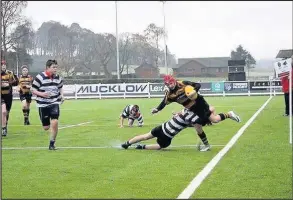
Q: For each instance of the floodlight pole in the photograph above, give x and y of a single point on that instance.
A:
(165, 45)
(117, 43)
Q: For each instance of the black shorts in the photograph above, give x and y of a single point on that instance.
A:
(162, 139)
(7, 100)
(25, 96)
(201, 109)
(48, 113)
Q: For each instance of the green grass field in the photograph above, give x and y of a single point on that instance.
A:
(259, 165)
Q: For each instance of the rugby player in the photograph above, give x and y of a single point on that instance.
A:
(131, 112)
(8, 80)
(166, 131)
(25, 95)
(186, 94)
(48, 87)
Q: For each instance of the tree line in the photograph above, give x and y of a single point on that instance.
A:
(77, 48)
(80, 49)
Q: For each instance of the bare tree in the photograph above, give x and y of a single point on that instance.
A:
(154, 34)
(23, 36)
(103, 43)
(124, 51)
(11, 15)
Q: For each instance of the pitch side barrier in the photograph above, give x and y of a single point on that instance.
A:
(152, 90)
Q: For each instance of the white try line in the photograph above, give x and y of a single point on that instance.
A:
(98, 147)
(195, 183)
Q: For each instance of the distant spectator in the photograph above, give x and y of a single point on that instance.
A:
(285, 88)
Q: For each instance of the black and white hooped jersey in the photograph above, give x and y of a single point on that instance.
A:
(51, 85)
(126, 113)
(179, 122)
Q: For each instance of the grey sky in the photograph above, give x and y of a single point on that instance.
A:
(195, 29)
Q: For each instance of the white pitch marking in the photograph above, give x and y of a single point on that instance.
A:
(195, 183)
(95, 147)
(80, 124)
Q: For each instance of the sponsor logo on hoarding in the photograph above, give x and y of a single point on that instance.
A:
(228, 86)
(240, 85)
(157, 87)
(112, 88)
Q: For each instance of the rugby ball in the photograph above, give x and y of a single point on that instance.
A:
(190, 92)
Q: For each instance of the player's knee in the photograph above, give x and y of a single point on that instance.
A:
(130, 122)
(215, 118)
(46, 128)
(4, 112)
(54, 123)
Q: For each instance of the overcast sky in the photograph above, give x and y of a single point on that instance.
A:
(195, 29)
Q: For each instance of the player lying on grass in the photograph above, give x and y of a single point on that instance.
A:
(132, 113)
(186, 94)
(201, 134)
(168, 130)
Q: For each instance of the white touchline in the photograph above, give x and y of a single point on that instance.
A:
(195, 183)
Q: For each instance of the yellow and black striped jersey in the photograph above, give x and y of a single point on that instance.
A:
(25, 81)
(7, 81)
(178, 95)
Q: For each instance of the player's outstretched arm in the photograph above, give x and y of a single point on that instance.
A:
(121, 121)
(160, 107)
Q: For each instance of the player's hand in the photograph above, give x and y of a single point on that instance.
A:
(154, 110)
(45, 95)
(62, 99)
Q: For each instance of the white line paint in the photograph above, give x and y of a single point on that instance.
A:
(195, 183)
(69, 126)
(61, 126)
(96, 147)
(90, 125)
